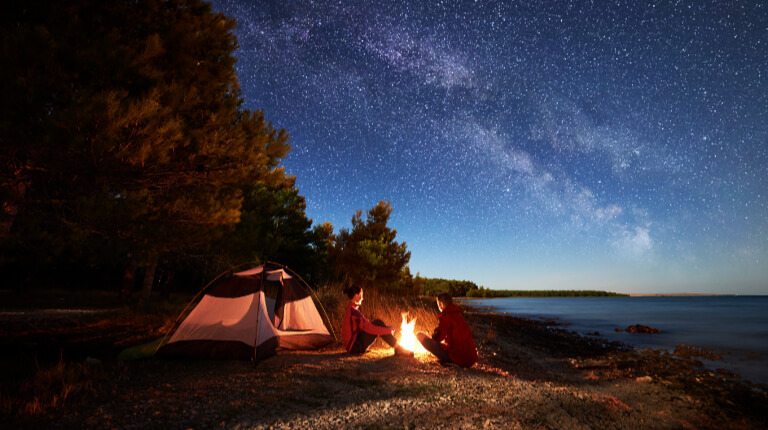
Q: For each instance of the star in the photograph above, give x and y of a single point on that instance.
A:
(626, 141)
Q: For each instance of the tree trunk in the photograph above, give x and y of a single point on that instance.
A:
(165, 288)
(149, 278)
(129, 279)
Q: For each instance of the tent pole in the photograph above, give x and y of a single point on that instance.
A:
(176, 322)
(258, 314)
(306, 285)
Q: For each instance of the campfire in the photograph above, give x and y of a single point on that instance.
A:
(408, 337)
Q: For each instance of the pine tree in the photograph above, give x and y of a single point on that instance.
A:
(121, 128)
(273, 226)
(368, 253)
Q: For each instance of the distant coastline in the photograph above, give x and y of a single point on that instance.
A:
(605, 295)
(678, 295)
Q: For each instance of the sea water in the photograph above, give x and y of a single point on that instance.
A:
(734, 326)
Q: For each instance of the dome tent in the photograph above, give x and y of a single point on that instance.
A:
(251, 314)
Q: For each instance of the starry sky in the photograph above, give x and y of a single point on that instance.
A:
(620, 145)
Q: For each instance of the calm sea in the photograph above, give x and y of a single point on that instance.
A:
(736, 326)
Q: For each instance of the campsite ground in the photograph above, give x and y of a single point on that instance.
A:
(59, 370)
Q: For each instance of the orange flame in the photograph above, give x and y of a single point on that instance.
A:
(408, 337)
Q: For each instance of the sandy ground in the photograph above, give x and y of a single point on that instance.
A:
(529, 376)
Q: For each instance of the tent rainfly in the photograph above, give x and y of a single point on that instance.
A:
(250, 315)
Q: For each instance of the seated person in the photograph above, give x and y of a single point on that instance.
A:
(358, 333)
(452, 340)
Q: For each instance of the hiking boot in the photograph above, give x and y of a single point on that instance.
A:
(399, 350)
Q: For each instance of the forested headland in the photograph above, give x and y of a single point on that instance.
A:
(435, 286)
(543, 293)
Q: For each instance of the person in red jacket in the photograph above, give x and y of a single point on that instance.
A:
(452, 340)
(358, 333)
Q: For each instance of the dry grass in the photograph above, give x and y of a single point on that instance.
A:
(51, 387)
(380, 306)
(390, 309)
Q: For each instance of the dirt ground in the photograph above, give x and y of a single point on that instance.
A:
(60, 371)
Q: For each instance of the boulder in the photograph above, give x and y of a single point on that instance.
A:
(639, 328)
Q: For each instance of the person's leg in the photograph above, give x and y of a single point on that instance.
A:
(390, 339)
(363, 341)
(434, 347)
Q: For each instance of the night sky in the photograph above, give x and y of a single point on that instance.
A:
(615, 145)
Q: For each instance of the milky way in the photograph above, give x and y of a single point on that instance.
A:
(529, 145)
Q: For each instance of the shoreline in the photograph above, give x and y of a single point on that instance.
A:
(751, 365)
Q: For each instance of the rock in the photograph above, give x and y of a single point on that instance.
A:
(639, 328)
(685, 351)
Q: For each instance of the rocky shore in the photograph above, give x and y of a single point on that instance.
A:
(530, 375)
